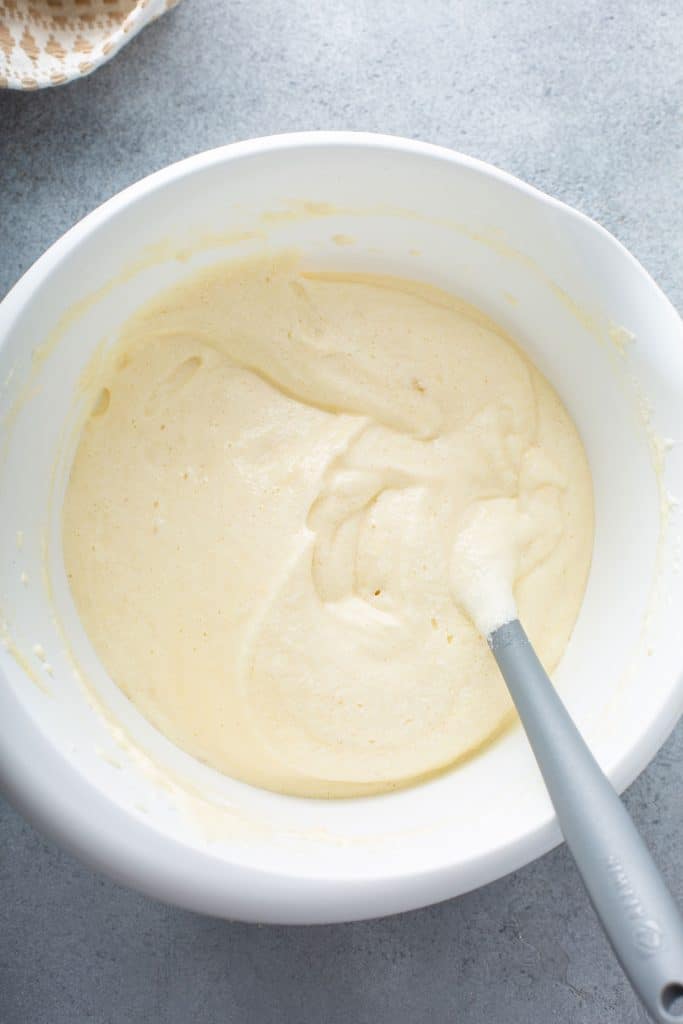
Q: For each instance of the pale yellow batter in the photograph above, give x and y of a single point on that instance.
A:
(270, 521)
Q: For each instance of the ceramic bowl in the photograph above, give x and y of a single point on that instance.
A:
(78, 759)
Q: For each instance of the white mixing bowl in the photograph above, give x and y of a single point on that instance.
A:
(77, 758)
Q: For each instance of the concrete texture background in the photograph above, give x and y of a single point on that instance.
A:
(582, 99)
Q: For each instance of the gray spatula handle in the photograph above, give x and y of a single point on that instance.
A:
(626, 889)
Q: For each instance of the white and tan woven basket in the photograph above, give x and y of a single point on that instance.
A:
(49, 42)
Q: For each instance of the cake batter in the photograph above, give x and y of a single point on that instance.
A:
(270, 516)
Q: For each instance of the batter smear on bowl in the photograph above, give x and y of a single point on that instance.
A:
(281, 473)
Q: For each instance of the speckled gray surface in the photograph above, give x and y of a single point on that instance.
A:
(582, 99)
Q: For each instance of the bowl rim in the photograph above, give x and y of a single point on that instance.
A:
(55, 797)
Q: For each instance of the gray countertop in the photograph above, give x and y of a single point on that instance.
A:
(582, 99)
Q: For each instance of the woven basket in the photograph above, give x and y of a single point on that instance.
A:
(49, 42)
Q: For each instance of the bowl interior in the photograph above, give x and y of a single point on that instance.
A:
(592, 321)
